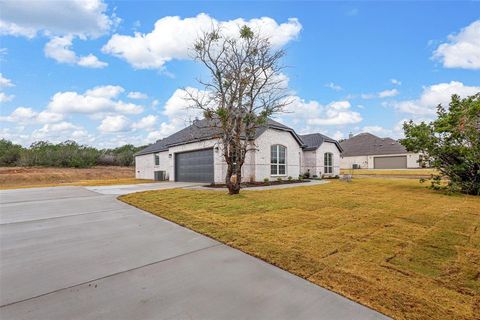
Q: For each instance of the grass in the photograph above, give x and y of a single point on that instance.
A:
(391, 244)
(30, 177)
(386, 172)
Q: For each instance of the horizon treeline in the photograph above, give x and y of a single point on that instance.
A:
(67, 154)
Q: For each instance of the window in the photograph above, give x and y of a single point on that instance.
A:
(328, 162)
(278, 162)
(157, 159)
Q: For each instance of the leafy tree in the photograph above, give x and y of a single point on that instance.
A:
(245, 87)
(451, 144)
(10, 153)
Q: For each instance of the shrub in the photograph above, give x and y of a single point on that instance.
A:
(279, 179)
(290, 178)
(266, 180)
(9, 153)
(451, 144)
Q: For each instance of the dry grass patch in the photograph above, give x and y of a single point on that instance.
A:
(28, 177)
(391, 244)
(406, 173)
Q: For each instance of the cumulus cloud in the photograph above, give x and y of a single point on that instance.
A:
(82, 18)
(146, 123)
(137, 95)
(5, 97)
(4, 82)
(96, 100)
(462, 50)
(172, 37)
(59, 49)
(312, 113)
(59, 132)
(24, 115)
(434, 95)
(114, 124)
(179, 114)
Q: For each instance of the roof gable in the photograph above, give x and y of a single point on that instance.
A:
(314, 140)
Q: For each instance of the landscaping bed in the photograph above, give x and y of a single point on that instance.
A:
(258, 183)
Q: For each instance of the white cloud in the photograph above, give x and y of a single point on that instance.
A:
(137, 95)
(96, 100)
(146, 123)
(462, 50)
(82, 18)
(396, 82)
(4, 82)
(59, 132)
(434, 95)
(5, 97)
(312, 113)
(20, 115)
(114, 124)
(388, 93)
(91, 61)
(25, 115)
(178, 112)
(59, 49)
(380, 95)
(172, 37)
(333, 86)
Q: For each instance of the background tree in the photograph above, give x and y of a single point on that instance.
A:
(451, 144)
(244, 88)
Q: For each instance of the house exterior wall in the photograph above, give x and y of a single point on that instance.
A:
(262, 155)
(367, 162)
(348, 162)
(309, 163)
(145, 165)
(324, 148)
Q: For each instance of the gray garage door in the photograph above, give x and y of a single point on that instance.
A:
(194, 166)
(396, 162)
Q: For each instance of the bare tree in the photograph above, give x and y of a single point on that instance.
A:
(244, 88)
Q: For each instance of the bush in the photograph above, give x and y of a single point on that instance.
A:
(290, 178)
(65, 154)
(9, 153)
(279, 179)
(451, 144)
(266, 180)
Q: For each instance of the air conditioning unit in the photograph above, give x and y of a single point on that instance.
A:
(160, 175)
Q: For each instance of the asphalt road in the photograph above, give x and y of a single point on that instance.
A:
(73, 253)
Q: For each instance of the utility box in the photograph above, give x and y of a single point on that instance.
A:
(160, 175)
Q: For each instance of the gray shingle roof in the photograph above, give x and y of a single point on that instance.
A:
(201, 130)
(365, 144)
(315, 140)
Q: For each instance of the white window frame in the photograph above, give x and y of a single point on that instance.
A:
(327, 165)
(155, 157)
(278, 164)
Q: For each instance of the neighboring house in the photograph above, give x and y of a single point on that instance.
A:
(367, 151)
(194, 154)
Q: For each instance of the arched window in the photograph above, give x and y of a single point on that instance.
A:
(328, 162)
(278, 160)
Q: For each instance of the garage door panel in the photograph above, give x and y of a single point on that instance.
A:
(194, 166)
(394, 162)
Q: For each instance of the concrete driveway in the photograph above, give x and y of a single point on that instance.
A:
(72, 253)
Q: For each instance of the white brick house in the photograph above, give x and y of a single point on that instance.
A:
(193, 155)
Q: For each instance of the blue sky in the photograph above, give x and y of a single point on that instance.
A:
(109, 73)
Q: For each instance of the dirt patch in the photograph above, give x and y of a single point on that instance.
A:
(31, 176)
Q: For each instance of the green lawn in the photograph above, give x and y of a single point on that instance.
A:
(391, 244)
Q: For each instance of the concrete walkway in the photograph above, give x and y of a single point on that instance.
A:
(72, 253)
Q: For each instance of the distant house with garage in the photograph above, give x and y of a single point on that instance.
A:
(194, 155)
(367, 151)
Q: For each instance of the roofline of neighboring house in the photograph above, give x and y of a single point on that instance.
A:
(377, 154)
